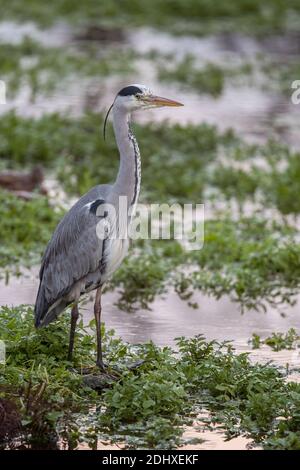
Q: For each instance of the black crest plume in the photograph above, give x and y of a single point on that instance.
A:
(127, 91)
(105, 120)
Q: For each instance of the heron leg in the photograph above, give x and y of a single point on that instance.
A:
(97, 312)
(74, 318)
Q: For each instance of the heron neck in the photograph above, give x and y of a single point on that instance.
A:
(129, 175)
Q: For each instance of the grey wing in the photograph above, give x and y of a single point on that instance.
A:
(73, 253)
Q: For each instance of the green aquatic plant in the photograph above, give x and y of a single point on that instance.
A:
(255, 341)
(254, 261)
(46, 69)
(280, 74)
(281, 187)
(145, 407)
(277, 341)
(26, 227)
(202, 16)
(76, 147)
(209, 79)
(270, 177)
(190, 155)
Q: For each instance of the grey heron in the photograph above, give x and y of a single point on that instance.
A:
(78, 259)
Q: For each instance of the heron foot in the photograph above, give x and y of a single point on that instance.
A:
(108, 372)
(101, 366)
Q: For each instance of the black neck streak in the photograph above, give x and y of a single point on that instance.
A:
(137, 170)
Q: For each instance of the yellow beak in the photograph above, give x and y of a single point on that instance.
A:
(160, 101)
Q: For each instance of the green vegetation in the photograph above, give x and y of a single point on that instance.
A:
(252, 260)
(271, 73)
(208, 79)
(203, 15)
(242, 259)
(36, 379)
(280, 74)
(274, 185)
(255, 262)
(45, 69)
(25, 229)
(75, 149)
(144, 407)
(277, 341)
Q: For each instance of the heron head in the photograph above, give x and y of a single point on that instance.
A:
(134, 97)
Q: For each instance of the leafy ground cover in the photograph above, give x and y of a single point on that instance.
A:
(82, 158)
(188, 154)
(25, 229)
(254, 262)
(144, 407)
(251, 259)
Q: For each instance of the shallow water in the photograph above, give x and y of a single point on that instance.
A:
(254, 113)
(171, 317)
(14, 33)
(213, 439)
(217, 48)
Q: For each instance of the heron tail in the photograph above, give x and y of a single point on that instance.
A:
(44, 312)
